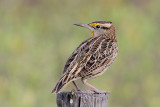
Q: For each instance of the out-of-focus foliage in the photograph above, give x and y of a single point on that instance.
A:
(37, 37)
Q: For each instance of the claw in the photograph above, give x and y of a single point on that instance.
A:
(83, 92)
(90, 92)
(102, 92)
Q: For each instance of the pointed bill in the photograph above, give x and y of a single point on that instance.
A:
(85, 26)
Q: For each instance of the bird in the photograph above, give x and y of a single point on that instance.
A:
(92, 57)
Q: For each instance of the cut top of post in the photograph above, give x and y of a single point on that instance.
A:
(68, 99)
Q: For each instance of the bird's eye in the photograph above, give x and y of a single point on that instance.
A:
(97, 26)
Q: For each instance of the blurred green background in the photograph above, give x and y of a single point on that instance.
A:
(38, 36)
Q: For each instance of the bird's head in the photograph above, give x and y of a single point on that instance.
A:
(98, 27)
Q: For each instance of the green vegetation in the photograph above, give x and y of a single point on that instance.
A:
(37, 37)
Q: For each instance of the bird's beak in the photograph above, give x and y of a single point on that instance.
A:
(85, 25)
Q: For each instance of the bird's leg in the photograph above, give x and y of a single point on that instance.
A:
(89, 85)
(78, 89)
(74, 83)
(93, 88)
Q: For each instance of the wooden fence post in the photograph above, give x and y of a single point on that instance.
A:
(67, 99)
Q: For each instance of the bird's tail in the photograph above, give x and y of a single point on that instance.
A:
(64, 80)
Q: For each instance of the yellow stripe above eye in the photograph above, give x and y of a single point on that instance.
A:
(94, 24)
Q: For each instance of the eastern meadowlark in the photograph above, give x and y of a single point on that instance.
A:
(92, 57)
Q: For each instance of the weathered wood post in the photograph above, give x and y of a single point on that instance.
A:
(68, 99)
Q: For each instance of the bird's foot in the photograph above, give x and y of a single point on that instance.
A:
(77, 91)
(83, 92)
(100, 91)
(91, 91)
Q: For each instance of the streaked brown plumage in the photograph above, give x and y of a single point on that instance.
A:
(92, 57)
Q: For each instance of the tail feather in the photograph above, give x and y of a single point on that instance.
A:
(58, 87)
(64, 80)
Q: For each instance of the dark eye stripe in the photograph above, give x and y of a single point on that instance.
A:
(104, 27)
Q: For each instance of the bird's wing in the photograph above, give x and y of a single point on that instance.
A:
(89, 56)
(75, 55)
(101, 55)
